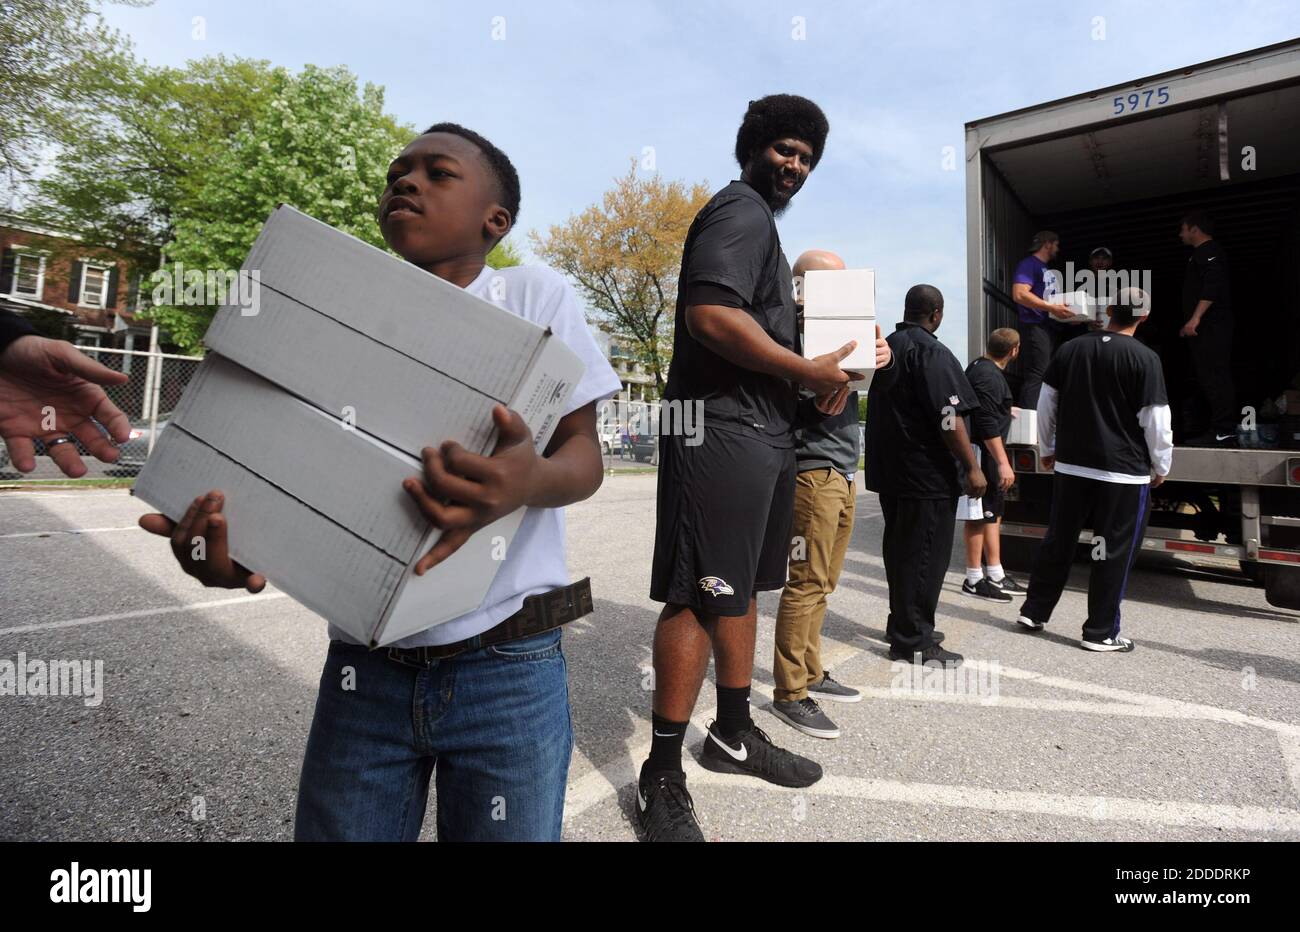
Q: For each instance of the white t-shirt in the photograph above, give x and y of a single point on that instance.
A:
(535, 560)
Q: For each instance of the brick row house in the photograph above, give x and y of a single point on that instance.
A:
(67, 290)
(86, 295)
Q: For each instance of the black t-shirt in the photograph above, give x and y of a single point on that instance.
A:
(906, 409)
(733, 243)
(1206, 279)
(993, 394)
(1103, 380)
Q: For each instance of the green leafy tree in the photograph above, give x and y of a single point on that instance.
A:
(58, 62)
(321, 146)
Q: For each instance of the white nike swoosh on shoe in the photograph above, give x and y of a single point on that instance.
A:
(640, 800)
(660, 734)
(1224, 437)
(742, 754)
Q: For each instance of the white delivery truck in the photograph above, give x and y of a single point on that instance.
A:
(1119, 167)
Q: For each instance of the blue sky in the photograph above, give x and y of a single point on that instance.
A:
(577, 88)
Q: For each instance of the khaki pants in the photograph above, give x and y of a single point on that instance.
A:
(823, 523)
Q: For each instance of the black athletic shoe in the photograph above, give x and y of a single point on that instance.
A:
(1120, 645)
(984, 590)
(834, 690)
(1009, 586)
(753, 753)
(665, 809)
(807, 716)
(1026, 622)
(932, 654)
(937, 636)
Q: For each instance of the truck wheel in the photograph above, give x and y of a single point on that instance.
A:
(1282, 585)
(1252, 571)
(1018, 553)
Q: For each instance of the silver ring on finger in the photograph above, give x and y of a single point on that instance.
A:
(66, 438)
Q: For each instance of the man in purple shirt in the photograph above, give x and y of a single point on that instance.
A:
(1032, 288)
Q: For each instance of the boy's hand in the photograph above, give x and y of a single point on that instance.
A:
(467, 492)
(976, 485)
(884, 355)
(210, 563)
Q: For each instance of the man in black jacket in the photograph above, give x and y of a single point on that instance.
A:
(50, 391)
(917, 450)
(1207, 307)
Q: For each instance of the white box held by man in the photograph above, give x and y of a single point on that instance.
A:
(839, 305)
(310, 412)
(1024, 428)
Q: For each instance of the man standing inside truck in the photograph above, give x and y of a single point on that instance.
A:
(1103, 422)
(1207, 307)
(1032, 288)
(916, 438)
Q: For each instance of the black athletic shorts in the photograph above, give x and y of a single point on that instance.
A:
(988, 509)
(725, 510)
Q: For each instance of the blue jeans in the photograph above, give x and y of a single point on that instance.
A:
(493, 723)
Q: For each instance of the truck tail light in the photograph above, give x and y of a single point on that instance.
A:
(1293, 471)
(1027, 461)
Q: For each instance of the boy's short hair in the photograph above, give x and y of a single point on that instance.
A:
(1002, 341)
(776, 117)
(1131, 304)
(499, 164)
(1041, 239)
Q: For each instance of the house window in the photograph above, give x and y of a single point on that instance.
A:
(94, 285)
(29, 274)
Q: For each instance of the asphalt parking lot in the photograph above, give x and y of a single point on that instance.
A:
(207, 697)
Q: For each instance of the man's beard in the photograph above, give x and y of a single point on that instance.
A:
(778, 200)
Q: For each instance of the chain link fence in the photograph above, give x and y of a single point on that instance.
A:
(157, 381)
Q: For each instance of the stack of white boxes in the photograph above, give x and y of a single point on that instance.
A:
(309, 414)
(1024, 428)
(839, 306)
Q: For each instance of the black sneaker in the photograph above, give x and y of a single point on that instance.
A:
(1009, 586)
(752, 753)
(807, 716)
(1122, 645)
(937, 637)
(834, 690)
(984, 590)
(932, 654)
(665, 809)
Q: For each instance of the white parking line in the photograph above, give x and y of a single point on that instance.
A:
(142, 613)
(73, 530)
(1095, 808)
(600, 784)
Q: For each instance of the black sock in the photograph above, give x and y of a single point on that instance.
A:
(665, 745)
(733, 710)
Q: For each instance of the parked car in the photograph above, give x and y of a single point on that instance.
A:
(645, 448)
(135, 451)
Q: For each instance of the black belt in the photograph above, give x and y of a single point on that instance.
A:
(540, 613)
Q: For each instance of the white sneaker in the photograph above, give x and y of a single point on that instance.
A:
(1110, 644)
(1030, 623)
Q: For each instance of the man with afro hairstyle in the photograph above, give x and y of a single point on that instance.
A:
(725, 498)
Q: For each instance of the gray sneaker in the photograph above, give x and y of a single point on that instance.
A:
(828, 688)
(806, 716)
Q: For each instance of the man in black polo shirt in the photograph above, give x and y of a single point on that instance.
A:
(725, 504)
(916, 439)
(1207, 307)
(1103, 422)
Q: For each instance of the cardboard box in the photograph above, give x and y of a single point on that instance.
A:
(1024, 428)
(303, 415)
(839, 306)
(1086, 308)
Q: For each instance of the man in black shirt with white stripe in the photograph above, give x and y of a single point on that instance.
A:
(1103, 420)
(1207, 307)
